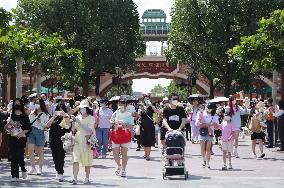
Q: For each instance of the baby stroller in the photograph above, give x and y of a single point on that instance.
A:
(174, 155)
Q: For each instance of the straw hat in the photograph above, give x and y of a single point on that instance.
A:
(84, 104)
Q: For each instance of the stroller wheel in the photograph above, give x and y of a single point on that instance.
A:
(187, 175)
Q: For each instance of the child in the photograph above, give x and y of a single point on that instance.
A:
(227, 139)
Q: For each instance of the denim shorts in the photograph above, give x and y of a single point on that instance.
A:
(37, 137)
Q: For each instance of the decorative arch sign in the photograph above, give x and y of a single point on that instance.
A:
(155, 67)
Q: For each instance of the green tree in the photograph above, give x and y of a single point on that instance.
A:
(159, 91)
(107, 32)
(123, 89)
(45, 53)
(265, 49)
(203, 31)
(181, 91)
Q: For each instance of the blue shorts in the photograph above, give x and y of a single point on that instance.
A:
(37, 137)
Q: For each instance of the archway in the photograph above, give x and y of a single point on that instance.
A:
(106, 86)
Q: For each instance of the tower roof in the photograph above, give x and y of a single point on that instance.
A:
(154, 13)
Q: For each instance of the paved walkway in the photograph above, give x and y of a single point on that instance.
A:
(247, 172)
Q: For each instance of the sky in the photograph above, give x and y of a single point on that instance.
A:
(143, 5)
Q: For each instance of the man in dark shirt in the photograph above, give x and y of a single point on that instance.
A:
(174, 117)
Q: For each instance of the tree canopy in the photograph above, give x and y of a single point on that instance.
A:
(106, 31)
(203, 31)
(265, 49)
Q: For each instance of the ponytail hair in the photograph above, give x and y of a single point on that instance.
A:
(231, 107)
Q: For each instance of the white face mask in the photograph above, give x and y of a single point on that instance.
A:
(122, 108)
(83, 110)
(227, 118)
(147, 102)
(234, 102)
(208, 110)
(175, 102)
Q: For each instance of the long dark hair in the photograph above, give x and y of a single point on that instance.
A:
(13, 115)
(42, 106)
(62, 107)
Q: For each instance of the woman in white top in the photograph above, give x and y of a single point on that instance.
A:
(127, 121)
(38, 118)
(235, 112)
(206, 121)
(192, 119)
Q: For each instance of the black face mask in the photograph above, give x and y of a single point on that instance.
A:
(17, 107)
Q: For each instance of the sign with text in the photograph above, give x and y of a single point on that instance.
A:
(154, 67)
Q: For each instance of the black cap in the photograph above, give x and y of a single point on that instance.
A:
(211, 105)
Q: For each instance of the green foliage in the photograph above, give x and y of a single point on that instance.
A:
(265, 49)
(159, 91)
(202, 32)
(106, 31)
(182, 92)
(123, 89)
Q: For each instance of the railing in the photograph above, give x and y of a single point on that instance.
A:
(155, 30)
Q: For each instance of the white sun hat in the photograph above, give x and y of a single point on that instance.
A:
(84, 104)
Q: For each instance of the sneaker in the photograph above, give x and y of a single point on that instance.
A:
(14, 179)
(147, 158)
(163, 151)
(74, 182)
(138, 149)
(224, 167)
(254, 155)
(60, 177)
(117, 170)
(230, 167)
(262, 155)
(31, 171)
(204, 164)
(24, 175)
(39, 171)
(123, 173)
(208, 166)
(236, 154)
(86, 181)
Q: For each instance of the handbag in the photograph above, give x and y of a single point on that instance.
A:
(137, 130)
(121, 136)
(203, 131)
(254, 125)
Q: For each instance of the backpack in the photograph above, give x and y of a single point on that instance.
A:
(254, 125)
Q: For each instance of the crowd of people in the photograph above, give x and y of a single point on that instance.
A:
(35, 122)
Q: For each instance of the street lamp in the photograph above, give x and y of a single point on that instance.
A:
(190, 73)
(118, 74)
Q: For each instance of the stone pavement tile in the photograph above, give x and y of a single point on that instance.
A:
(248, 171)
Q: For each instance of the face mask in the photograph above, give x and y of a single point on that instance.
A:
(37, 106)
(227, 118)
(122, 108)
(234, 102)
(147, 101)
(175, 102)
(17, 107)
(83, 110)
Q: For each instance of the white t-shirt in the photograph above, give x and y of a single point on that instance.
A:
(43, 119)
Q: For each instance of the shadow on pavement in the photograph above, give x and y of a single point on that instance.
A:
(101, 167)
(138, 178)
